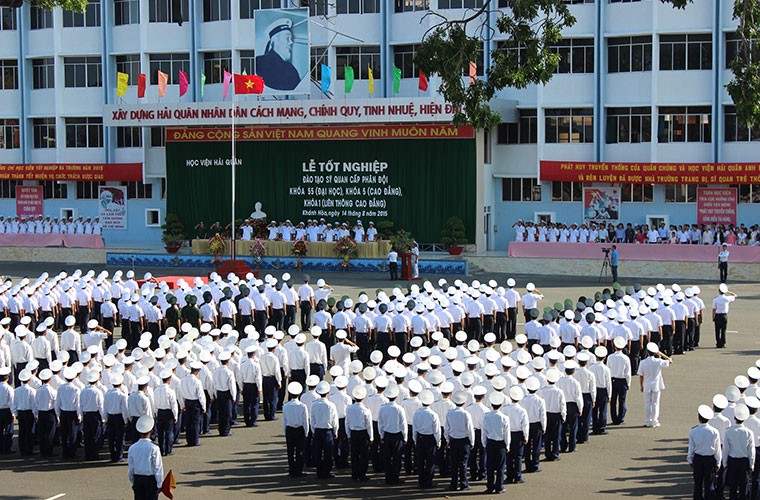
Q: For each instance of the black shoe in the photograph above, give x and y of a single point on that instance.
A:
(487, 491)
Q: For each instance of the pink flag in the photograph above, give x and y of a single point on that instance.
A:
(183, 83)
(227, 81)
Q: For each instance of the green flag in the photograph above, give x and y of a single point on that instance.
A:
(396, 79)
(349, 79)
(203, 84)
(244, 71)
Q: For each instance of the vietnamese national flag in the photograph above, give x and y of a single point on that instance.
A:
(141, 83)
(249, 84)
(169, 485)
(423, 85)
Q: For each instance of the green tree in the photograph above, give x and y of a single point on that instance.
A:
(534, 26)
(73, 5)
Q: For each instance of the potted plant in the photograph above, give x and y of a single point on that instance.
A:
(385, 229)
(174, 233)
(453, 235)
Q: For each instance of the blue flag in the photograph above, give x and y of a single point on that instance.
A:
(325, 78)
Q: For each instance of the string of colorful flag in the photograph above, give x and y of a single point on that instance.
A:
(254, 84)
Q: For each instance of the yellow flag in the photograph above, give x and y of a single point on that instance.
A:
(122, 83)
(371, 81)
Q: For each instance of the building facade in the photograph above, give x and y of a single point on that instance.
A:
(638, 82)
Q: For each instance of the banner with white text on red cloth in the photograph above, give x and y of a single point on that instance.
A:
(74, 172)
(650, 173)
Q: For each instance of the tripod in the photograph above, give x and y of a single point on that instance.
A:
(605, 268)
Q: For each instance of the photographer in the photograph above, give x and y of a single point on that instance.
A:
(614, 263)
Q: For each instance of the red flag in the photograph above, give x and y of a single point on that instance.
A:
(141, 81)
(183, 83)
(423, 85)
(249, 84)
(169, 485)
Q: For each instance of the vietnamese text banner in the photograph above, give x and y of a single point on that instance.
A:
(320, 133)
(71, 172)
(651, 173)
(716, 205)
(29, 201)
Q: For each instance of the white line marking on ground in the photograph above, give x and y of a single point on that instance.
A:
(59, 495)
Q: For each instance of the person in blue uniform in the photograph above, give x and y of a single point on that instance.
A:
(275, 66)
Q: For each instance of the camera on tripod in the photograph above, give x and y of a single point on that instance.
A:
(606, 251)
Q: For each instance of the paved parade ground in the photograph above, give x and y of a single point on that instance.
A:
(632, 461)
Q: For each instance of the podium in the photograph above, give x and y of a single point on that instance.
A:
(406, 266)
(238, 267)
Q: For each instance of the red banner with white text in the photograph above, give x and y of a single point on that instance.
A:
(74, 172)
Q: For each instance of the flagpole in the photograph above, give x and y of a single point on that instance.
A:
(232, 235)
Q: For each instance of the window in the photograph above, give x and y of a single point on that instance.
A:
(215, 64)
(565, 125)
(637, 193)
(632, 125)
(748, 193)
(163, 188)
(629, 53)
(460, 4)
(248, 6)
(316, 7)
(163, 11)
(318, 58)
(411, 5)
(573, 2)
(90, 18)
(567, 191)
(9, 133)
(9, 70)
(126, 12)
(684, 124)
(82, 72)
(157, 137)
(403, 58)
(43, 130)
(733, 45)
(576, 55)
(43, 73)
(39, 18)
(8, 189)
(479, 65)
(89, 190)
(517, 54)
(487, 158)
(138, 191)
(84, 132)
(128, 137)
(738, 131)
(681, 193)
(358, 6)
(152, 217)
(54, 190)
(7, 19)
(216, 10)
(359, 58)
(247, 61)
(525, 131)
(680, 52)
(171, 64)
(129, 64)
(520, 189)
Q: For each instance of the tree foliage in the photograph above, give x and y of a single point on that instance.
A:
(534, 26)
(73, 5)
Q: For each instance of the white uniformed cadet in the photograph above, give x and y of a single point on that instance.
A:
(295, 425)
(652, 384)
(460, 436)
(426, 434)
(739, 455)
(496, 435)
(359, 433)
(146, 468)
(393, 433)
(324, 425)
(720, 314)
(704, 455)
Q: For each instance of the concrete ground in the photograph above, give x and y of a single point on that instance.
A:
(632, 461)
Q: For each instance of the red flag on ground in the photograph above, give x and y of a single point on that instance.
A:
(141, 81)
(423, 84)
(169, 485)
(249, 84)
(183, 83)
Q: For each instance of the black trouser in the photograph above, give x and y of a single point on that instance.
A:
(618, 406)
(667, 339)
(376, 453)
(260, 320)
(270, 397)
(108, 324)
(511, 322)
(298, 376)
(488, 323)
(145, 487)
(532, 452)
(46, 431)
(6, 430)
(460, 455)
(43, 364)
(721, 323)
(165, 429)
(359, 454)
(614, 270)
(689, 341)
(69, 433)
(92, 430)
(341, 447)
(515, 457)
(599, 413)
(126, 331)
(410, 464)
(402, 342)
(277, 319)
(679, 337)
(193, 412)
(703, 471)
(723, 271)
(477, 457)
(17, 368)
(475, 328)
(635, 355)
(584, 423)
(496, 462)
(737, 478)
(115, 430)
(322, 451)
(294, 438)
(83, 316)
(250, 404)
(305, 315)
(245, 320)
(136, 330)
(281, 391)
(290, 316)
(553, 431)
(570, 429)
(224, 400)
(697, 332)
(425, 451)
(392, 447)
(25, 432)
(383, 342)
(362, 340)
(500, 327)
(393, 268)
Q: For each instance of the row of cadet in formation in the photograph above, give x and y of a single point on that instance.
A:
(311, 230)
(46, 225)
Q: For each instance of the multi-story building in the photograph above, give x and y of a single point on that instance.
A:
(638, 81)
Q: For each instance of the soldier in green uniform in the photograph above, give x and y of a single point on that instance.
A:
(172, 313)
(190, 313)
